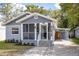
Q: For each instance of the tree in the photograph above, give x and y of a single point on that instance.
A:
(9, 10)
(56, 14)
(5, 10)
(72, 13)
(33, 8)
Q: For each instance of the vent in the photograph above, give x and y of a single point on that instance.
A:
(35, 17)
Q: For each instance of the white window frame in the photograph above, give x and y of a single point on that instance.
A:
(14, 30)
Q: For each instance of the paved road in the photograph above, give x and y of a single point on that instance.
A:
(56, 50)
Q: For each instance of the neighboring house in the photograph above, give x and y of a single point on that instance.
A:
(74, 33)
(2, 32)
(77, 32)
(34, 28)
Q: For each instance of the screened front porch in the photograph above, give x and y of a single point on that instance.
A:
(37, 31)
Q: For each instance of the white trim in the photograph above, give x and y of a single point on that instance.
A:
(33, 14)
(47, 30)
(14, 30)
(62, 29)
(21, 31)
(16, 26)
(52, 36)
(35, 31)
(40, 30)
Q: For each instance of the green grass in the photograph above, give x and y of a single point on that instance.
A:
(4, 45)
(75, 40)
(12, 49)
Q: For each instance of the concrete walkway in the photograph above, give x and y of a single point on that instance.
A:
(64, 48)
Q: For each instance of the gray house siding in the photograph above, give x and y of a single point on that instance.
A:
(31, 20)
(9, 34)
(39, 20)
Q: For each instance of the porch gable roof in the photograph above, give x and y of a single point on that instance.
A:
(33, 14)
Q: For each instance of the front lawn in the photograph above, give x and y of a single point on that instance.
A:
(75, 40)
(12, 48)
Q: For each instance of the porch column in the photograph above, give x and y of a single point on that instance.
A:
(21, 31)
(39, 35)
(40, 30)
(47, 30)
(35, 31)
(51, 31)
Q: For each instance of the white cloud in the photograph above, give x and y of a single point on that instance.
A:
(57, 6)
(20, 6)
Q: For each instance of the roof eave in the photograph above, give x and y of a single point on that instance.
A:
(4, 23)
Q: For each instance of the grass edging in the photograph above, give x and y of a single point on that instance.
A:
(75, 40)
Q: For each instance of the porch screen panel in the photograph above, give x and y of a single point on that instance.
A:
(28, 31)
(25, 31)
(31, 31)
(25, 27)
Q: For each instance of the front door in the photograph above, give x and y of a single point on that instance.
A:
(43, 34)
(43, 31)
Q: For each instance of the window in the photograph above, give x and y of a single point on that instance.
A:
(15, 31)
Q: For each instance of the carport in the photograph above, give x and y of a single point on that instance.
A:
(62, 34)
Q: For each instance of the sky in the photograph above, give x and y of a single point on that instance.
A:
(53, 6)
(49, 5)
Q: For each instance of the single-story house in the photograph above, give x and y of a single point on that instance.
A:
(34, 28)
(77, 32)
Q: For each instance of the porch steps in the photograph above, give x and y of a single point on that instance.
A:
(44, 43)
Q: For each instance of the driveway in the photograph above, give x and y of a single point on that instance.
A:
(64, 48)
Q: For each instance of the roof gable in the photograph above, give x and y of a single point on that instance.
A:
(34, 14)
(20, 18)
